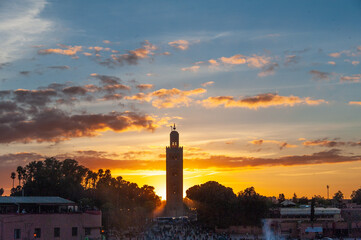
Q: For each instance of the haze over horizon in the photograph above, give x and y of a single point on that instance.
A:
(263, 94)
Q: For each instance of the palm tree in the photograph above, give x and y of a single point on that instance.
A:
(20, 173)
(13, 176)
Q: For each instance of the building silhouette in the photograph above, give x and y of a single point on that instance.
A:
(47, 218)
(174, 167)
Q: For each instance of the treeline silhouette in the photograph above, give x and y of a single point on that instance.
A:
(125, 204)
(122, 203)
(217, 205)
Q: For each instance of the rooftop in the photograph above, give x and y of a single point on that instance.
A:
(36, 200)
(307, 211)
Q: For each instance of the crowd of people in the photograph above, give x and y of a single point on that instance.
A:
(181, 231)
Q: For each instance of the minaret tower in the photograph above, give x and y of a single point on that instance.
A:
(174, 167)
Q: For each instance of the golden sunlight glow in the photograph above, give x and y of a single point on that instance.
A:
(306, 180)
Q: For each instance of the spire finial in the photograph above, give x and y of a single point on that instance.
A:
(174, 126)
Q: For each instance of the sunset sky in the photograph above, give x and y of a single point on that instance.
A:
(263, 93)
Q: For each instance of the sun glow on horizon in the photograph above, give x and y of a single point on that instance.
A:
(268, 181)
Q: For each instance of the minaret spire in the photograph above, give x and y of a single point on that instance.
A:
(174, 175)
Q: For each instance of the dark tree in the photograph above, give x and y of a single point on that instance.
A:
(1, 191)
(337, 198)
(123, 203)
(281, 198)
(21, 173)
(303, 200)
(218, 206)
(356, 196)
(321, 201)
(13, 176)
(294, 198)
(214, 202)
(252, 207)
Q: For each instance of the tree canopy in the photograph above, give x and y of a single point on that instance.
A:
(356, 196)
(123, 203)
(217, 205)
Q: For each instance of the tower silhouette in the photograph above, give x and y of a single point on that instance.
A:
(174, 167)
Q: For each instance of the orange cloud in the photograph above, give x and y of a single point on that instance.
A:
(331, 156)
(353, 78)
(354, 103)
(168, 98)
(145, 51)
(335, 54)
(140, 97)
(258, 61)
(191, 69)
(116, 86)
(330, 143)
(95, 160)
(132, 56)
(279, 143)
(180, 44)
(338, 54)
(254, 61)
(97, 49)
(213, 64)
(69, 50)
(143, 87)
(54, 125)
(331, 63)
(346, 52)
(207, 84)
(259, 101)
(234, 60)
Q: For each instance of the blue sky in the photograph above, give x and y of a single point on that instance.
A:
(243, 80)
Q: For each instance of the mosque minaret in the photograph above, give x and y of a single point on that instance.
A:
(174, 167)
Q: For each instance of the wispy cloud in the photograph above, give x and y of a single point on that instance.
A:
(65, 50)
(207, 84)
(191, 69)
(331, 143)
(64, 67)
(21, 26)
(168, 98)
(254, 61)
(270, 69)
(292, 59)
(352, 78)
(103, 160)
(280, 144)
(354, 103)
(132, 160)
(132, 56)
(318, 75)
(259, 101)
(180, 44)
(144, 87)
(264, 63)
